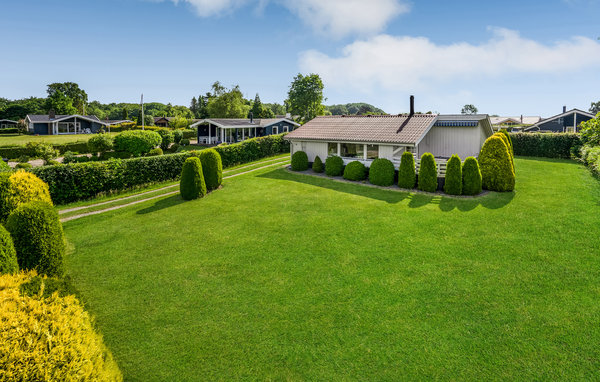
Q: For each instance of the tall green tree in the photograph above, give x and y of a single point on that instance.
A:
(60, 103)
(305, 97)
(595, 108)
(259, 110)
(125, 114)
(229, 104)
(469, 109)
(71, 90)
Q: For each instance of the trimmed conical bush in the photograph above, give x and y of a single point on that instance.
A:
(406, 172)
(428, 173)
(497, 173)
(453, 182)
(192, 185)
(471, 177)
(212, 168)
(317, 165)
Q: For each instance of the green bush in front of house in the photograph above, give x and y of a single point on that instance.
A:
(471, 177)
(192, 185)
(212, 168)
(355, 171)
(167, 138)
(334, 166)
(177, 136)
(381, 172)
(100, 143)
(406, 172)
(497, 173)
(317, 165)
(510, 144)
(427, 173)
(299, 161)
(38, 238)
(137, 142)
(8, 255)
(506, 141)
(453, 181)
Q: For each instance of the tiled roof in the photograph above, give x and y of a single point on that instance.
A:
(38, 118)
(527, 120)
(382, 129)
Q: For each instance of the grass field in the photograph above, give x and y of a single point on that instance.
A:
(286, 276)
(14, 139)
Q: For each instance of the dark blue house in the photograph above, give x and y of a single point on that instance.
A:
(7, 124)
(566, 122)
(230, 130)
(51, 124)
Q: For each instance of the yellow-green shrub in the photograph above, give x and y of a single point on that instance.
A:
(19, 188)
(49, 339)
(8, 255)
(497, 173)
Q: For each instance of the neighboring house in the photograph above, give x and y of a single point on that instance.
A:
(513, 123)
(8, 124)
(218, 130)
(51, 124)
(162, 121)
(566, 122)
(366, 138)
(112, 122)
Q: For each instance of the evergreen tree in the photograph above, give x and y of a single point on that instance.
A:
(257, 107)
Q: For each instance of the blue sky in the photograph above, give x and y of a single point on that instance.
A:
(508, 58)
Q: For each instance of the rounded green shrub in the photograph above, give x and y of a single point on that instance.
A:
(355, 171)
(4, 167)
(177, 136)
(497, 172)
(23, 166)
(427, 173)
(334, 166)
(453, 181)
(212, 168)
(192, 185)
(381, 172)
(471, 177)
(406, 172)
(167, 138)
(100, 143)
(185, 142)
(299, 161)
(137, 142)
(155, 151)
(38, 237)
(317, 165)
(8, 255)
(18, 188)
(506, 141)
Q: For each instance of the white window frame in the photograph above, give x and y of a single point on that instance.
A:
(286, 129)
(275, 130)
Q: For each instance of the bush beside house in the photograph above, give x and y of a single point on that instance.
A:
(427, 180)
(334, 166)
(471, 177)
(317, 165)
(381, 172)
(497, 171)
(299, 161)
(356, 171)
(406, 172)
(454, 178)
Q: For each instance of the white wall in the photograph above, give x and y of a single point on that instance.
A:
(312, 149)
(444, 141)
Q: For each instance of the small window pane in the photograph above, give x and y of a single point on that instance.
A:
(372, 151)
(331, 149)
(351, 150)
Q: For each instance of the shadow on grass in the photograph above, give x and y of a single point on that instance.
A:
(161, 204)
(492, 200)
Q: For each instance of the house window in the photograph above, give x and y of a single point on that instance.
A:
(331, 149)
(352, 150)
(286, 129)
(372, 151)
(275, 130)
(410, 149)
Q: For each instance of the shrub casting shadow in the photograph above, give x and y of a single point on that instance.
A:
(491, 201)
(161, 204)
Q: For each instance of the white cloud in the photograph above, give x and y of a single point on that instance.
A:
(388, 62)
(336, 18)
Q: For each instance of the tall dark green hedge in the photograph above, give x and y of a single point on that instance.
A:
(406, 172)
(427, 173)
(78, 181)
(192, 185)
(453, 181)
(497, 172)
(547, 145)
(334, 166)
(38, 237)
(471, 177)
(8, 255)
(356, 171)
(381, 172)
(299, 161)
(212, 168)
(317, 165)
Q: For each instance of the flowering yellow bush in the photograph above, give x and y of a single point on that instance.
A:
(19, 188)
(49, 338)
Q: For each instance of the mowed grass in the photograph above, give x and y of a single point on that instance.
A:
(285, 276)
(15, 139)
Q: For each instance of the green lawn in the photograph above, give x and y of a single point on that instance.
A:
(285, 276)
(14, 139)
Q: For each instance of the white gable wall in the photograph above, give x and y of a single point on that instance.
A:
(311, 148)
(444, 141)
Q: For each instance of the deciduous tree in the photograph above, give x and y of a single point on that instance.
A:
(305, 97)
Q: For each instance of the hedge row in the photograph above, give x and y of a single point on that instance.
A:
(14, 152)
(78, 181)
(9, 130)
(548, 145)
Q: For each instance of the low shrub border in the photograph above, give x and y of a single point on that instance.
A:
(14, 152)
(79, 181)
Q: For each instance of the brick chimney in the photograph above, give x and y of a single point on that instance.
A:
(51, 114)
(564, 109)
(251, 117)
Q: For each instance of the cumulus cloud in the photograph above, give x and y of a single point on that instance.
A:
(387, 62)
(336, 18)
